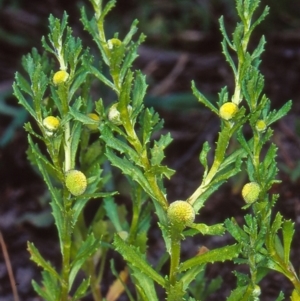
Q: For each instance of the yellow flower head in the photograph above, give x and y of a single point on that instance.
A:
(260, 125)
(60, 77)
(250, 192)
(228, 110)
(113, 43)
(181, 214)
(51, 124)
(76, 182)
(95, 117)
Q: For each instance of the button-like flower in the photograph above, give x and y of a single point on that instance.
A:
(260, 125)
(60, 77)
(51, 124)
(76, 182)
(228, 110)
(95, 117)
(181, 214)
(250, 192)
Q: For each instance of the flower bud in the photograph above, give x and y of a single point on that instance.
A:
(114, 115)
(181, 214)
(76, 182)
(51, 124)
(93, 126)
(60, 77)
(228, 110)
(112, 43)
(250, 192)
(260, 125)
(256, 292)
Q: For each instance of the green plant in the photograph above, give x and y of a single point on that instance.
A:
(67, 118)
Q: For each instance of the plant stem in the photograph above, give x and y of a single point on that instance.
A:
(222, 144)
(66, 251)
(135, 142)
(67, 220)
(175, 258)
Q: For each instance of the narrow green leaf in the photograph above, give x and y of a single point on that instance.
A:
(119, 145)
(130, 57)
(207, 191)
(203, 157)
(102, 78)
(83, 118)
(157, 151)
(129, 169)
(228, 57)
(220, 254)
(107, 8)
(191, 275)
(23, 83)
(139, 90)
(270, 156)
(237, 294)
(80, 78)
(41, 162)
(135, 258)
(175, 292)
(56, 99)
(145, 284)
(23, 101)
(259, 49)
(287, 233)
(275, 115)
(112, 213)
(159, 171)
(241, 139)
(281, 297)
(204, 229)
(132, 31)
(236, 231)
(42, 292)
(238, 36)
(81, 290)
(83, 199)
(75, 140)
(203, 99)
(40, 261)
(224, 33)
(86, 250)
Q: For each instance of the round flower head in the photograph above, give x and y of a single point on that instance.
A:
(112, 43)
(76, 182)
(60, 77)
(51, 123)
(93, 126)
(181, 214)
(228, 110)
(250, 192)
(260, 125)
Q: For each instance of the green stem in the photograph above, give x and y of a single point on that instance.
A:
(67, 221)
(222, 145)
(175, 258)
(135, 142)
(134, 222)
(66, 251)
